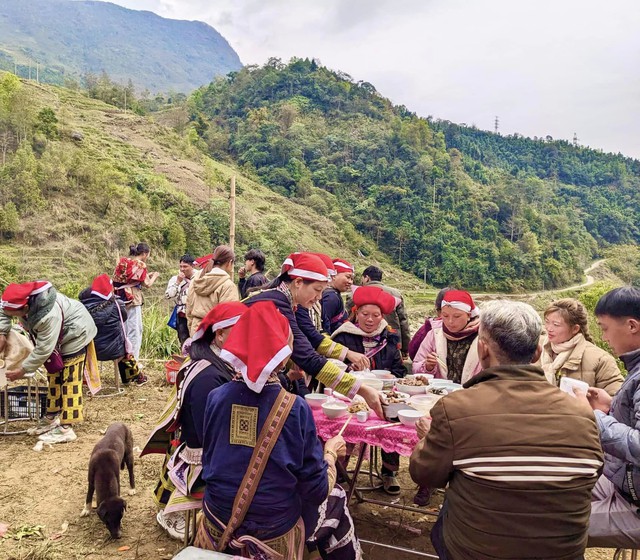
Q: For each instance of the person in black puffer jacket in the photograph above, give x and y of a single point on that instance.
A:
(110, 342)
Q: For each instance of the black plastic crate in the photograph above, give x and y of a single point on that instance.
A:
(17, 402)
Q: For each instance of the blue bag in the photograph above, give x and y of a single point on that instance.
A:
(173, 320)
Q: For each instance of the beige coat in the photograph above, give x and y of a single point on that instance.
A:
(587, 362)
(205, 292)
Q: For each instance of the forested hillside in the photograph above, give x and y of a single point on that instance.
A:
(70, 39)
(451, 204)
(81, 180)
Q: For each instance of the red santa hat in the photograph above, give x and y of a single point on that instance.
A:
(258, 344)
(222, 316)
(459, 299)
(102, 286)
(17, 296)
(201, 261)
(307, 266)
(326, 259)
(342, 266)
(374, 295)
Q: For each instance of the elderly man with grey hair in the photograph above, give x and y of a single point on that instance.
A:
(519, 455)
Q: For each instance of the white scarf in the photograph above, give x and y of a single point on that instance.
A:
(553, 361)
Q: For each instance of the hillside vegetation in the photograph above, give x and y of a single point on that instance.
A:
(453, 205)
(69, 207)
(70, 39)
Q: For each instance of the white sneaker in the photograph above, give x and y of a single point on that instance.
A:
(172, 523)
(45, 424)
(59, 435)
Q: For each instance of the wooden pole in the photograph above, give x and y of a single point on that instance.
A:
(232, 216)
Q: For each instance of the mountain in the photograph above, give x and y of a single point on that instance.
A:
(454, 205)
(69, 39)
(80, 181)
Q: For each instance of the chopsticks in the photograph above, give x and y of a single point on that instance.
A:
(345, 425)
(389, 425)
(442, 364)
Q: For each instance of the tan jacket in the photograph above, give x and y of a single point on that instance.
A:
(588, 363)
(205, 292)
(521, 458)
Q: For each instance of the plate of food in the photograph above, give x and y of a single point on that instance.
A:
(392, 401)
(414, 385)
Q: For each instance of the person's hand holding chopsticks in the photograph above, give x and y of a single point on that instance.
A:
(336, 447)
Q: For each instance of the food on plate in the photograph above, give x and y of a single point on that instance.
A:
(392, 397)
(357, 407)
(417, 381)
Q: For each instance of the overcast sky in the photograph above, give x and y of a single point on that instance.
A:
(544, 67)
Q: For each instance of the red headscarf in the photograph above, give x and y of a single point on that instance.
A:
(374, 295)
(17, 296)
(222, 316)
(258, 344)
(342, 266)
(102, 286)
(307, 266)
(201, 261)
(459, 299)
(326, 259)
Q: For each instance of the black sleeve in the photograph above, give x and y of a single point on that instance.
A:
(307, 327)
(332, 306)
(255, 281)
(242, 288)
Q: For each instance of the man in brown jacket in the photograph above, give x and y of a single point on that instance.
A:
(519, 455)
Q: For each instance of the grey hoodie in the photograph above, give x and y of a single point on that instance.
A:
(620, 430)
(44, 322)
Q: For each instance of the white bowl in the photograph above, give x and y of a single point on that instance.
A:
(335, 409)
(424, 403)
(439, 381)
(382, 373)
(316, 400)
(411, 389)
(409, 417)
(391, 409)
(377, 384)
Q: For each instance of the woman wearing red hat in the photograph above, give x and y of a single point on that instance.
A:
(450, 350)
(333, 311)
(54, 321)
(109, 314)
(270, 485)
(303, 278)
(184, 415)
(367, 332)
(309, 319)
(211, 286)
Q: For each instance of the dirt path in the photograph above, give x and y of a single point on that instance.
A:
(589, 280)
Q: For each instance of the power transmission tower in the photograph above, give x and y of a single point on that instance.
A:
(496, 124)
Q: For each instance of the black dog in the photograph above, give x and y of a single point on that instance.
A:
(111, 453)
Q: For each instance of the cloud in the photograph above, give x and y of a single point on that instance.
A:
(545, 67)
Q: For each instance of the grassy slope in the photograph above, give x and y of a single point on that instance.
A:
(71, 240)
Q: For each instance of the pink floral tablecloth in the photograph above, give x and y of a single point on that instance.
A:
(401, 439)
